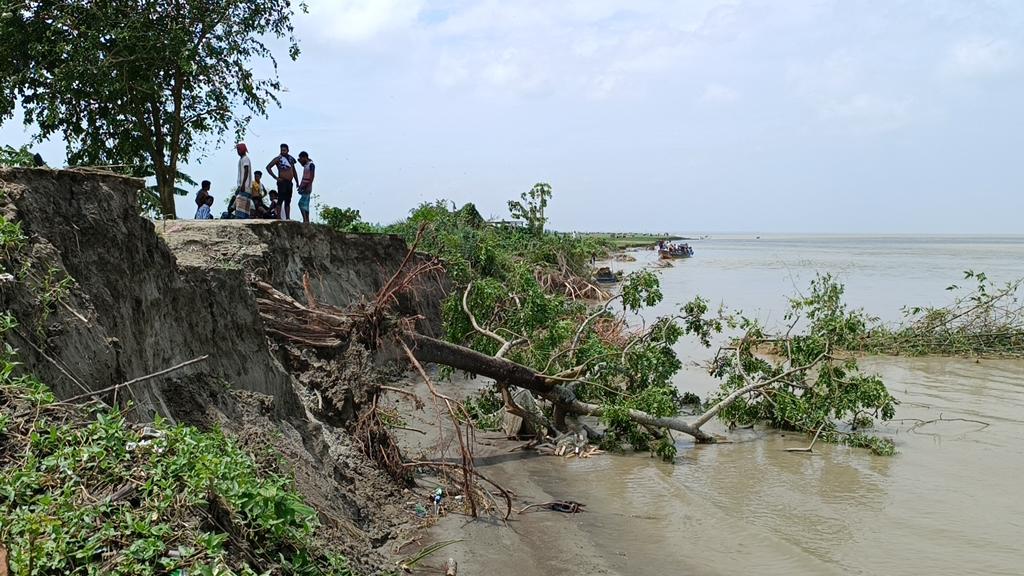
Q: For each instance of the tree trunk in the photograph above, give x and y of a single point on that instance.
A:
(164, 176)
(427, 349)
(165, 187)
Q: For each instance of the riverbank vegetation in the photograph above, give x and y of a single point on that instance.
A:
(85, 491)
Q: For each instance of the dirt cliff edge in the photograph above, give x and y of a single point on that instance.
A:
(103, 296)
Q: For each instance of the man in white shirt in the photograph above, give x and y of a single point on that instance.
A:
(244, 183)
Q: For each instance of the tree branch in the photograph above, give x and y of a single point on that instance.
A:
(728, 400)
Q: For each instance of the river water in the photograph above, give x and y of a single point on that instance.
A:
(950, 502)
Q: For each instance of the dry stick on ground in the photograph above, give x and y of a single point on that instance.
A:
(573, 506)
(467, 456)
(921, 423)
(416, 399)
(174, 368)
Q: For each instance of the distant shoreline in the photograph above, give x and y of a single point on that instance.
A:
(623, 240)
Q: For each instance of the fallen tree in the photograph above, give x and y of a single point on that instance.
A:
(505, 319)
(816, 380)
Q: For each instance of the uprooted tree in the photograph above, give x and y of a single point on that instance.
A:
(581, 357)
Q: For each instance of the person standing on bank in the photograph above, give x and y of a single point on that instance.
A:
(286, 173)
(306, 186)
(244, 183)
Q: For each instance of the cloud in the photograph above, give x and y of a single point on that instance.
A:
(719, 94)
(867, 112)
(357, 21)
(979, 58)
(846, 89)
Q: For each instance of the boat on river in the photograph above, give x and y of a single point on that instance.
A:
(672, 251)
(604, 275)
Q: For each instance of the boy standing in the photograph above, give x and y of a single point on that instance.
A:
(306, 187)
(286, 173)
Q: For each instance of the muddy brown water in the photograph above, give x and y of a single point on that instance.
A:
(950, 502)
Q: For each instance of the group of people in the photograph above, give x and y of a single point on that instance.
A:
(674, 248)
(251, 198)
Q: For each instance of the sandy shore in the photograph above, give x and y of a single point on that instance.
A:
(537, 543)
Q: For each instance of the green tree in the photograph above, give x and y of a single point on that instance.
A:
(11, 156)
(531, 209)
(345, 220)
(140, 84)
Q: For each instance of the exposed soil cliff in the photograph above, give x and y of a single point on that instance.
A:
(102, 297)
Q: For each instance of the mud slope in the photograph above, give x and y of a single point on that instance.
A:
(102, 297)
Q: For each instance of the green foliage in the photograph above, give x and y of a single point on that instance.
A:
(96, 74)
(89, 493)
(471, 250)
(623, 368)
(21, 156)
(986, 319)
(641, 289)
(815, 387)
(12, 237)
(485, 409)
(54, 288)
(345, 220)
(531, 207)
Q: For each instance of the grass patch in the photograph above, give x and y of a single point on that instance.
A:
(84, 491)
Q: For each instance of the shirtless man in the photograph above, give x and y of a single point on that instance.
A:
(286, 174)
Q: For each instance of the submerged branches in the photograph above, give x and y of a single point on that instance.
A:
(987, 320)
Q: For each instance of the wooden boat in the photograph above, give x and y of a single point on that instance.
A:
(604, 275)
(684, 251)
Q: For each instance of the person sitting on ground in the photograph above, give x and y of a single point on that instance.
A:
(203, 213)
(284, 163)
(259, 196)
(273, 211)
(306, 187)
(259, 191)
(204, 191)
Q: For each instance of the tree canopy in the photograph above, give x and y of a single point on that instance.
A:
(140, 84)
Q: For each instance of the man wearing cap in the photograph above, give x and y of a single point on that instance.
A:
(244, 169)
(243, 192)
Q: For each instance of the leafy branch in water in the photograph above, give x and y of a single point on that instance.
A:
(986, 319)
(813, 387)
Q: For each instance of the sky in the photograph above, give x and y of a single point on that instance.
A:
(813, 116)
